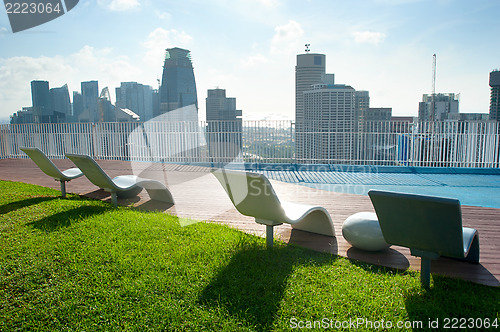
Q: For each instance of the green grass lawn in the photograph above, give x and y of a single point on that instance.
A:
(80, 265)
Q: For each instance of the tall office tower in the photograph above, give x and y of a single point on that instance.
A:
(329, 124)
(362, 102)
(437, 107)
(373, 140)
(41, 103)
(77, 106)
(310, 69)
(90, 95)
(495, 95)
(155, 95)
(137, 98)
(60, 101)
(224, 126)
(221, 108)
(106, 108)
(178, 86)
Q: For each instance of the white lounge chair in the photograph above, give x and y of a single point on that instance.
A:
(122, 186)
(253, 195)
(48, 167)
(430, 226)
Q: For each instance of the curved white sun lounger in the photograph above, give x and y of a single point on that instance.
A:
(48, 167)
(122, 185)
(253, 195)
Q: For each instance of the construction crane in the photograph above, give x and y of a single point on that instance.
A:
(433, 96)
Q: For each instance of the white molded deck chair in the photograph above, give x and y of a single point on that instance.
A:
(121, 186)
(430, 226)
(253, 195)
(48, 167)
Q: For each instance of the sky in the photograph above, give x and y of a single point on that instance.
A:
(249, 48)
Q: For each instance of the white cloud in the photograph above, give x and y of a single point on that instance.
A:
(120, 5)
(254, 60)
(163, 15)
(3, 31)
(287, 38)
(368, 37)
(161, 39)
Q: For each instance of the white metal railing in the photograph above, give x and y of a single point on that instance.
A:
(433, 144)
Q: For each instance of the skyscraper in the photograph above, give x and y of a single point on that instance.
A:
(437, 107)
(137, 98)
(60, 101)
(310, 69)
(495, 95)
(178, 86)
(77, 105)
(224, 126)
(90, 95)
(329, 124)
(40, 98)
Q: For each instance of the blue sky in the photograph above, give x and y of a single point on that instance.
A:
(249, 48)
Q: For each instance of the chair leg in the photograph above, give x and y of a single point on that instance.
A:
(425, 272)
(114, 199)
(269, 236)
(63, 188)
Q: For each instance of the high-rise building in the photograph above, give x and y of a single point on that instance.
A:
(362, 101)
(42, 108)
(137, 98)
(377, 114)
(437, 107)
(310, 69)
(60, 100)
(495, 95)
(329, 124)
(90, 95)
(224, 126)
(77, 106)
(41, 104)
(178, 86)
(373, 143)
(221, 108)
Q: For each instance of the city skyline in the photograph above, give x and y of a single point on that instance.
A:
(378, 46)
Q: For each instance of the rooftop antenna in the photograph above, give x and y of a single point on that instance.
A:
(307, 48)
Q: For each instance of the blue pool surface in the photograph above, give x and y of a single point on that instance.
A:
(475, 187)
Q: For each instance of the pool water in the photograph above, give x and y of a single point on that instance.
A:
(475, 187)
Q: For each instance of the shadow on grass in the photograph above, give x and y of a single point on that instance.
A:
(453, 298)
(251, 287)
(6, 208)
(66, 218)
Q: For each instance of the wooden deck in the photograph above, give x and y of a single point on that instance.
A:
(199, 196)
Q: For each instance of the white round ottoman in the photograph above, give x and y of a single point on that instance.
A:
(362, 231)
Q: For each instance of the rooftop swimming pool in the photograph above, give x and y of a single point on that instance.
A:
(472, 186)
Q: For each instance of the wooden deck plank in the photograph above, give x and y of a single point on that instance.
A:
(198, 195)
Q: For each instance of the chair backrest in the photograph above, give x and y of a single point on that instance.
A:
(426, 223)
(44, 163)
(92, 170)
(251, 194)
